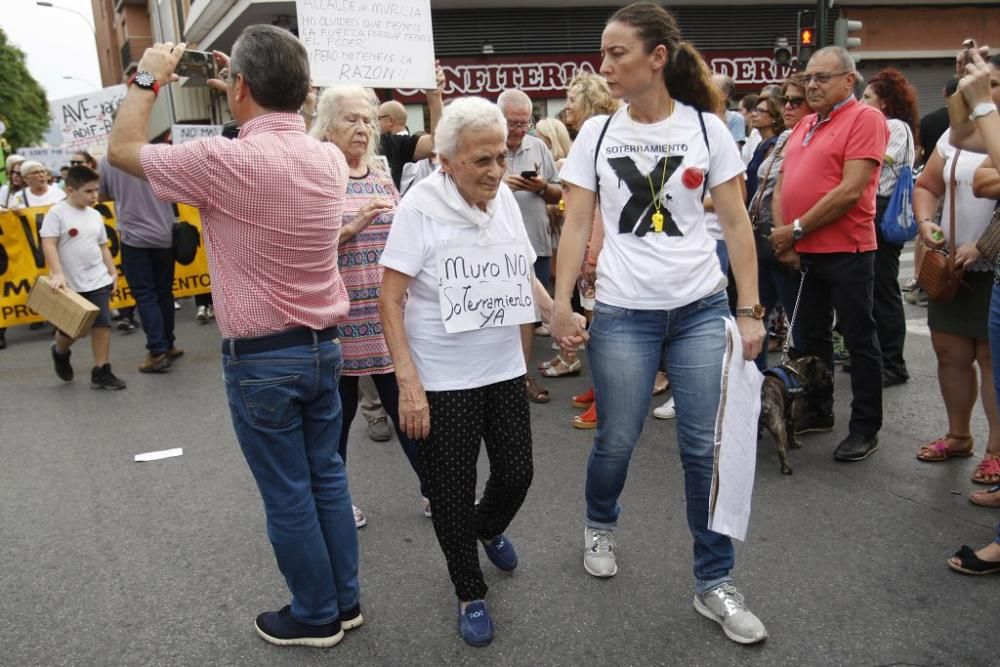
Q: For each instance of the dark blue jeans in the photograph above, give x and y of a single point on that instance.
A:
(995, 349)
(626, 349)
(286, 413)
(778, 284)
(150, 276)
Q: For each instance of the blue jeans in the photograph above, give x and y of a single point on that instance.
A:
(778, 284)
(722, 252)
(543, 271)
(626, 348)
(995, 350)
(150, 276)
(286, 413)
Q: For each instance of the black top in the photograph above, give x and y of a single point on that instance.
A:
(932, 126)
(398, 149)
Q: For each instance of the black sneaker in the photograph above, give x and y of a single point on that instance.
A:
(63, 368)
(856, 447)
(102, 378)
(891, 379)
(351, 618)
(278, 627)
(126, 325)
(814, 423)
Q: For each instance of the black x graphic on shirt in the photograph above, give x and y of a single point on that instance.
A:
(640, 207)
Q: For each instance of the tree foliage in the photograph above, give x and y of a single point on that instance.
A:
(23, 106)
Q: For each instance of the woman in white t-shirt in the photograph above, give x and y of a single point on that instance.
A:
(457, 261)
(660, 290)
(37, 191)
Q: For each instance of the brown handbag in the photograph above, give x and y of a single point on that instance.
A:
(938, 276)
(988, 244)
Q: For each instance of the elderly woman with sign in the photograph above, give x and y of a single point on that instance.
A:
(458, 262)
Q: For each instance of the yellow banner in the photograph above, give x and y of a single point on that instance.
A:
(22, 261)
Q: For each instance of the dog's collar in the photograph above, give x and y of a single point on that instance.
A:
(789, 377)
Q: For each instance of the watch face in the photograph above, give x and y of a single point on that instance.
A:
(145, 79)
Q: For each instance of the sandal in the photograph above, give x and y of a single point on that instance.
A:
(940, 451)
(584, 400)
(988, 498)
(661, 384)
(550, 362)
(587, 420)
(535, 393)
(970, 563)
(563, 369)
(988, 470)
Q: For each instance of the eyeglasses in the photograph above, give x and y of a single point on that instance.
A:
(32, 173)
(519, 126)
(383, 116)
(821, 78)
(76, 163)
(764, 110)
(794, 102)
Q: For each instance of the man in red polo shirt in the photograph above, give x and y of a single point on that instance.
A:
(825, 198)
(271, 203)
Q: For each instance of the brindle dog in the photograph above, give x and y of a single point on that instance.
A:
(782, 404)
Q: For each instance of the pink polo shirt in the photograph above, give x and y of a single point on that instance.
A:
(814, 164)
(271, 206)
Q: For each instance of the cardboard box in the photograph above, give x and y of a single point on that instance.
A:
(65, 309)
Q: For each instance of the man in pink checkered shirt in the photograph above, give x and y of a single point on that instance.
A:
(271, 203)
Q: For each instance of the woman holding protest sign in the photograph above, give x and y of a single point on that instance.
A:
(662, 296)
(346, 116)
(458, 356)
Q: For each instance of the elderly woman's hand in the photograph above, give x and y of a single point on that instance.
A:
(569, 329)
(414, 412)
(372, 210)
(931, 235)
(974, 76)
(966, 255)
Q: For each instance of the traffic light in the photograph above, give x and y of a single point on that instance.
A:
(782, 51)
(842, 34)
(806, 37)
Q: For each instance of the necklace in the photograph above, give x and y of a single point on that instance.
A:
(657, 216)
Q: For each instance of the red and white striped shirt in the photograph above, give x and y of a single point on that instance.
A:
(271, 207)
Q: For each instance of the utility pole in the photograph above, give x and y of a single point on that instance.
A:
(822, 39)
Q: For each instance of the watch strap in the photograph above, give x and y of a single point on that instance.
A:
(155, 87)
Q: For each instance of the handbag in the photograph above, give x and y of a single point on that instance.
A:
(938, 276)
(898, 224)
(988, 244)
(186, 241)
(762, 232)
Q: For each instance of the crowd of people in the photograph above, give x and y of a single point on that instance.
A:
(650, 211)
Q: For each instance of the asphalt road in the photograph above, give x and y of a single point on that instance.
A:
(104, 561)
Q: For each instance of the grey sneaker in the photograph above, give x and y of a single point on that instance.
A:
(379, 430)
(725, 606)
(599, 552)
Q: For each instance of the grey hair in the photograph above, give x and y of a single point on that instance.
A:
(13, 159)
(725, 83)
(842, 56)
(465, 113)
(330, 108)
(513, 98)
(274, 65)
(32, 165)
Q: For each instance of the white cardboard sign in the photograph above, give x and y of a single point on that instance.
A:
(372, 43)
(485, 286)
(54, 159)
(181, 134)
(85, 120)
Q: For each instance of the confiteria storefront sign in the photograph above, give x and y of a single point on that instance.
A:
(548, 75)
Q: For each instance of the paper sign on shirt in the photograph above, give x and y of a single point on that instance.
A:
(485, 286)
(372, 43)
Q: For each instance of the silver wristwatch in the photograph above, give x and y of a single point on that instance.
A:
(982, 109)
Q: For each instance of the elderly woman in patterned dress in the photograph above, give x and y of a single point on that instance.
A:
(346, 116)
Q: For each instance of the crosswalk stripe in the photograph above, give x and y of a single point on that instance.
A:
(918, 327)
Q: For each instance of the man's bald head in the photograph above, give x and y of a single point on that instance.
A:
(392, 117)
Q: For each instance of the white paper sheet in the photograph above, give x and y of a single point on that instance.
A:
(735, 440)
(162, 454)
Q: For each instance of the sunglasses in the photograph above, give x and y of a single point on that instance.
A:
(794, 102)
(76, 163)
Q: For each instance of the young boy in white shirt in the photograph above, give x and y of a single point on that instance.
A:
(75, 244)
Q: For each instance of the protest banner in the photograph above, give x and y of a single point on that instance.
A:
(485, 286)
(181, 134)
(85, 120)
(372, 43)
(22, 261)
(54, 158)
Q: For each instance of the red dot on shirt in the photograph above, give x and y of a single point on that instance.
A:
(693, 177)
(73, 231)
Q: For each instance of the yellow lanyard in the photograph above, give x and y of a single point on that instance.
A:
(657, 216)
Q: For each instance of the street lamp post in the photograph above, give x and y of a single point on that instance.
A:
(76, 78)
(70, 9)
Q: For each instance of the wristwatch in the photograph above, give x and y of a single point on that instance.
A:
(797, 231)
(982, 109)
(146, 81)
(755, 311)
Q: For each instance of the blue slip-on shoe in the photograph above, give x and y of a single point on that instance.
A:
(501, 552)
(280, 628)
(352, 618)
(474, 624)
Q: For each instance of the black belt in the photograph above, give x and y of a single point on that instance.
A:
(279, 341)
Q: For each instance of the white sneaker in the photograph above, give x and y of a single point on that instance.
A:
(210, 310)
(725, 606)
(666, 411)
(202, 314)
(599, 552)
(427, 506)
(359, 517)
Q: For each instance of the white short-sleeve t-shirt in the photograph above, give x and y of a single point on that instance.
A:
(451, 361)
(972, 214)
(638, 268)
(81, 235)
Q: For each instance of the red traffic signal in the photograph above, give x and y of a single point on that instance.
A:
(807, 37)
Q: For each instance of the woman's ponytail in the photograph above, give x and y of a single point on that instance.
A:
(689, 80)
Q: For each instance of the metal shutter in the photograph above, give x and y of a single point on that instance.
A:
(928, 76)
